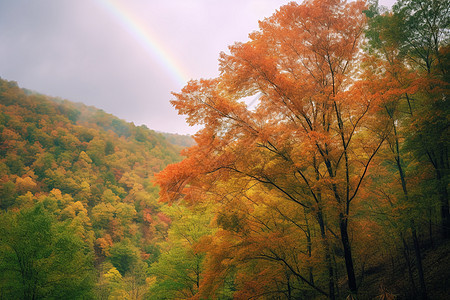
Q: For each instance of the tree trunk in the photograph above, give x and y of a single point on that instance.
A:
(309, 249)
(423, 290)
(343, 225)
(408, 264)
(443, 197)
(331, 291)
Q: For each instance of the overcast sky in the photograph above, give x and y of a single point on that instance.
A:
(123, 56)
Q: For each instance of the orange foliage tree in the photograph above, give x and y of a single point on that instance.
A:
(311, 136)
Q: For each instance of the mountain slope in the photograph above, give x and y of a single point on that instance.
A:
(88, 170)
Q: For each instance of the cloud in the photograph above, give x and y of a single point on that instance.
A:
(78, 51)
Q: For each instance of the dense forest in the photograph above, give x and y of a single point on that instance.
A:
(80, 213)
(321, 172)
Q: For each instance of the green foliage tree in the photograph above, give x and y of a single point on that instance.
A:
(424, 31)
(7, 194)
(123, 256)
(408, 48)
(42, 258)
(111, 284)
(177, 272)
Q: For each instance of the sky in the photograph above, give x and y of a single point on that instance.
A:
(123, 56)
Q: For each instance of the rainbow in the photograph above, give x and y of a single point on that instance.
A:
(149, 41)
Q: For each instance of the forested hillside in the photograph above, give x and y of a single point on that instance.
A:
(80, 216)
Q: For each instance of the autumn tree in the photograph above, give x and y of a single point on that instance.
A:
(312, 134)
(263, 245)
